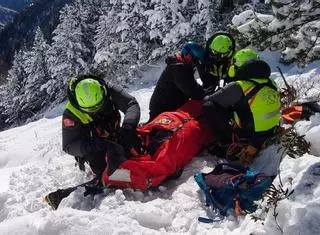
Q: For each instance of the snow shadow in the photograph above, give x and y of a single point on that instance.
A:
(268, 160)
(55, 111)
(309, 182)
(149, 76)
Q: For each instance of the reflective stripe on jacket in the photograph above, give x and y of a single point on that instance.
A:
(264, 105)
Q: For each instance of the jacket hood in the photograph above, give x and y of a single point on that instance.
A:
(178, 60)
(172, 60)
(253, 69)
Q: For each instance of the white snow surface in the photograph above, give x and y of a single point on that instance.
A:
(33, 164)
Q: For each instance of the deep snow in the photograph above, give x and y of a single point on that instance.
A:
(33, 164)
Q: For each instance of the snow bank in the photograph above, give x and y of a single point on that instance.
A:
(301, 213)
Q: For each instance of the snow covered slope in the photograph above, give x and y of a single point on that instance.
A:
(33, 164)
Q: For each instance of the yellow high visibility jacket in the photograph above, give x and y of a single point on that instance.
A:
(264, 104)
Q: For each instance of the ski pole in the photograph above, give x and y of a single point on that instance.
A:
(53, 199)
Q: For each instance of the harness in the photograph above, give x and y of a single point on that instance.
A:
(258, 87)
(243, 109)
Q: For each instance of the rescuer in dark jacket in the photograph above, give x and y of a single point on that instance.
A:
(251, 103)
(91, 128)
(177, 83)
(217, 58)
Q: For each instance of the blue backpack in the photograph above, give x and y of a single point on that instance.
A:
(233, 187)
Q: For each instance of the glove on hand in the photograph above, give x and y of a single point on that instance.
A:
(114, 157)
(127, 136)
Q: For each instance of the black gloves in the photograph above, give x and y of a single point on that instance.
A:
(127, 136)
(114, 157)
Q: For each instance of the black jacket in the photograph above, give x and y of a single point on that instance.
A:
(229, 96)
(175, 86)
(212, 74)
(98, 136)
(212, 71)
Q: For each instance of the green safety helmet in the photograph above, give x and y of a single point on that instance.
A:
(90, 95)
(221, 44)
(241, 58)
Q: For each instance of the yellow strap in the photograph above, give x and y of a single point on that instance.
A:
(83, 117)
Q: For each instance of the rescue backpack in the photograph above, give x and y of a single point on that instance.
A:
(233, 188)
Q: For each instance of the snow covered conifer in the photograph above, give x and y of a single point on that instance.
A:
(15, 88)
(121, 39)
(293, 28)
(68, 53)
(17, 75)
(35, 95)
(169, 23)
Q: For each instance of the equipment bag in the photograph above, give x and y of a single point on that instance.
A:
(233, 188)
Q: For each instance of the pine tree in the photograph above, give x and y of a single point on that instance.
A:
(35, 96)
(105, 32)
(89, 16)
(172, 23)
(15, 89)
(17, 75)
(68, 53)
(168, 24)
(121, 39)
